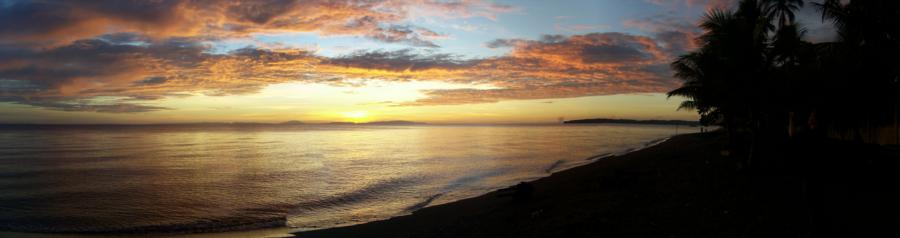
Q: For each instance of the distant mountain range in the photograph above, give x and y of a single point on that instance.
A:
(629, 121)
(398, 122)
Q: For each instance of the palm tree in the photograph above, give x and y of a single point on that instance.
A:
(721, 74)
(721, 78)
(694, 69)
(783, 10)
(742, 73)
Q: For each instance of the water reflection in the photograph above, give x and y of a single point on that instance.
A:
(206, 178)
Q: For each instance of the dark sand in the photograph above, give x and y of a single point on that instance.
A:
(683, 187)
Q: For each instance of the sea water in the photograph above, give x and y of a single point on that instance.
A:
(204, 178)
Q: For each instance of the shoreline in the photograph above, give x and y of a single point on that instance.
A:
(686, 186)
(455, 218)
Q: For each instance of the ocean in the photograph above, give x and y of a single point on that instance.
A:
(207, 178)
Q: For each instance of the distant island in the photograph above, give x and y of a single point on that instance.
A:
(629, 121)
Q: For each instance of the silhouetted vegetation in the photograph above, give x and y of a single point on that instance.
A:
(795, 112)
(755, 75)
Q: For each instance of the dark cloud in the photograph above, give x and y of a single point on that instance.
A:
(57, 22)
(499, 43)
(408, 34)
(553, 38)
(675, 34)
(676, 41)
(399, 60)
(260, 12)
(612, 53)
(66, 69)
(152, 80)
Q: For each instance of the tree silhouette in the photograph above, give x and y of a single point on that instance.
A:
(783, 10)
(760, 78)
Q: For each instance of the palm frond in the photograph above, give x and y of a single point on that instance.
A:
(687, 105)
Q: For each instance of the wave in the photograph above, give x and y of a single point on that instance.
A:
(369, 192)
(600, 156)
(554, 166)
(424, 203)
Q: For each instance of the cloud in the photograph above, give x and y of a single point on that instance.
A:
(453, 9)
(121, 55)
(152, 80)
(560, 67)
(400, 60)
(57, 22)
(108, 67)
(135, 70)
(579, 27)
(676, 34)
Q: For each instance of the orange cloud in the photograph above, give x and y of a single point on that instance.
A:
(553, 67)
(125, 69)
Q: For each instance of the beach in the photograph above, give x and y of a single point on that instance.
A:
(683, 187)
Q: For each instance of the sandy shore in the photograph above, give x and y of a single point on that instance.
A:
(683, 187)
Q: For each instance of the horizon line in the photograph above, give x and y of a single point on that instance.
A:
(297, 122)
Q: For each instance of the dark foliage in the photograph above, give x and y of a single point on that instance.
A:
(756, 76)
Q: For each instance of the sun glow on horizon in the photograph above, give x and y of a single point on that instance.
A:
(356, 116)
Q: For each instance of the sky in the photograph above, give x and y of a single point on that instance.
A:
(437, 61)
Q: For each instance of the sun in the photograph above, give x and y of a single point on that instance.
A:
(356, 116)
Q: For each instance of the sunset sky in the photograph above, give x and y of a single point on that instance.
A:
(319, 61)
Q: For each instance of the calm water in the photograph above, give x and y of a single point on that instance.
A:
(207, 178)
